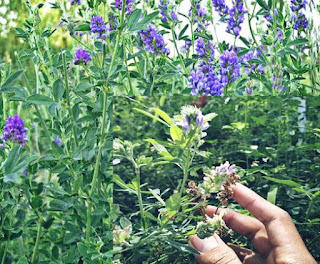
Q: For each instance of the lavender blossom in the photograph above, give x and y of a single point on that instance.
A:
(236, 17)
(78, 2)
(298, 17)
(118, 5)
(186, 46)
(15, 131)
(98, 26)
(230, 67)
(199, 15)
(192, 118)
(205, 81)
(163, 7)
(82, 57)
(280, 34)
(154, 41)
(221, 7)
(58, 141)
(249, 66)
(205, 49)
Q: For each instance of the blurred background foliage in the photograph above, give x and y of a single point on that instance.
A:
(274, 137)
(13, 14)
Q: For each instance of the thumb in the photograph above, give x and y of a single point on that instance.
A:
(213, 251)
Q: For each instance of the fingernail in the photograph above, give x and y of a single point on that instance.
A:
(204, 245)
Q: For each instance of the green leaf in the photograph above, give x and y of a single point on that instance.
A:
(22, 260)
(59, 205)
(183, 247)
(11, 160)
(163, 115)
(272, 194)
(298, 42)
(155, 193)
(58, 89)
(134, 18)
(39, 99)
(83, 27)
(175, 133)
(12, 78)
(286, 182)
(84, 86)
(173, 204)
(125, 222)
(263, 4)
(150, 115)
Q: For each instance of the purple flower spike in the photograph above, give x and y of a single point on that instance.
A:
(73, 2)
(82, 57)
(154, 41)
(58, 141)
(98, 26)
(15, 131)
(118, 5)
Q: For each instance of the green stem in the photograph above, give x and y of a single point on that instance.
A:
(4, 253)
(4, 107)
(140, 197)
(309, 209)
(35, 249)
(176, 47)
(68, 99)
(97, 164)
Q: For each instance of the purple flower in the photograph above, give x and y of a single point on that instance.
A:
(199, 15)
(280, 34)
(205, 49)
(298, 17)
(186, 46)
(98, 26)
(174, 15)
(82, 57)
(154, 41)
(249, 66)
(118, 5)
(229, 67)
(192, 119)
(205, 81)
(163, 7)
(72, 2)
(58, 141)
(15, 131)
(236, 17)
(221, 7)
(277, 83)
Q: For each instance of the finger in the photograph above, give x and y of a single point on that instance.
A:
(280, 229)
(213, 251)
(246, 226)
(246, 256)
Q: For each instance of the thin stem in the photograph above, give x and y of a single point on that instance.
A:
(178, 53)
(140, 197)
(4, 253)
(68, 99)
(35, 249)
(97, 164)
(4, 107)
(309, 209)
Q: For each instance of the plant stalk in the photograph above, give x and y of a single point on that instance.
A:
(35, 249)
(74, 129)
(140, 197)
(97, 164)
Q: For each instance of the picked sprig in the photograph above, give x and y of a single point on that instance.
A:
(219, 180)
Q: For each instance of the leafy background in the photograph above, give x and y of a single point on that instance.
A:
(274, 140)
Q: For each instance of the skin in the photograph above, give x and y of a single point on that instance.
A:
(271, 231)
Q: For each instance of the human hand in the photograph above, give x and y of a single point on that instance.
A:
(272, 233)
